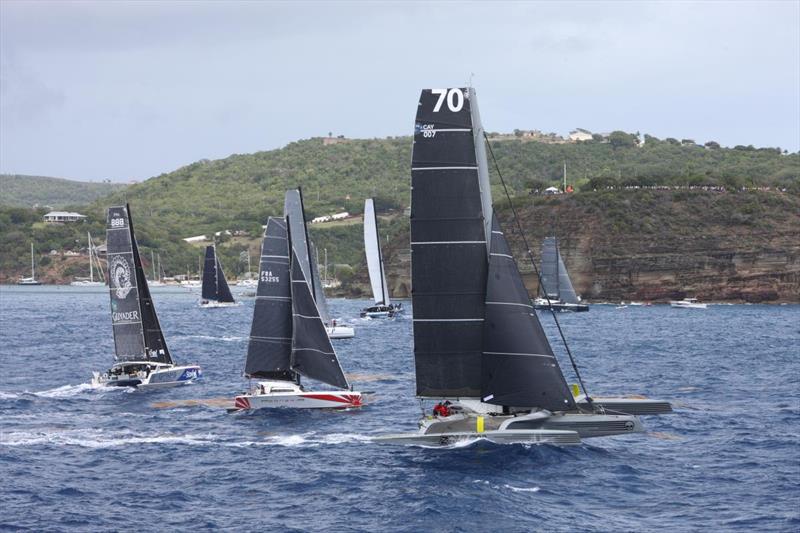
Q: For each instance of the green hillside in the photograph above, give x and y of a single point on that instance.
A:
(28, 191)
(241, 191)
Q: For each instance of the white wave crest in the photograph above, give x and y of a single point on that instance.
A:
(65, 391)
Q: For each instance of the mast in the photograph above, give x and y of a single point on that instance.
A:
(91, 263)
(565, 176)
(305, 230)
(33, 269)
(372, 249)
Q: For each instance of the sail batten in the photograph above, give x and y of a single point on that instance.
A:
(270, 344)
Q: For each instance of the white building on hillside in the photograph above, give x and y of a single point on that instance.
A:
(60, 217)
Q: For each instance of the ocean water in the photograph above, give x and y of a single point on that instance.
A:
(77, 458)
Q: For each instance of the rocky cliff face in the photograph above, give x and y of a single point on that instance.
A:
(654, 245)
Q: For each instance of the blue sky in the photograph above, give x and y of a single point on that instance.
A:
(128, 90)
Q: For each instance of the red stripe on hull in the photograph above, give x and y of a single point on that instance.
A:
(241, 403)
(351, 400)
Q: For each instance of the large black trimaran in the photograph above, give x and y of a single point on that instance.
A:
(287, 337)
(142, 358)
(477, 341)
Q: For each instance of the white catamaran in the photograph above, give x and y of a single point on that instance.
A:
(287, 337)
(216, 292)
(142, 358)
(478, 344)
(93, 259)
(382, 307)
(31, 280)
(294, 211)
(556, 287)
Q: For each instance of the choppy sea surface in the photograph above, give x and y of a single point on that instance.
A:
(77, 458)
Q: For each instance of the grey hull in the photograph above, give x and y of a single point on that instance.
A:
(630, 406)
(535, 436)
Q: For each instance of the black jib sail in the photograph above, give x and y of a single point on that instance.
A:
(519, 368)
(448, 244)
(270, 347)
(555, 279)
(215, 287)
(312, 353)
(137, 332)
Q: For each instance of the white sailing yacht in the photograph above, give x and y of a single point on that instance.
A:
(295, 212)
(479, 348)
(382, 306)
(287, 337)
(31, 280)
(142, 358)
(556, 287)
(688, 303)
(92, 259)
(216, 292)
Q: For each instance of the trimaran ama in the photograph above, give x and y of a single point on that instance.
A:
(287, 337)
(556, 287)
(215, 292)
(477, 340)
(294, 210)
(382, 306)
(142, 358)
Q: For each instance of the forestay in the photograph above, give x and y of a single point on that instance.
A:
(372, 248)
(270, 346)
(137, 331)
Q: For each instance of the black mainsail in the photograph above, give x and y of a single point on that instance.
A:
(215, 287)
(555, 279)
(137, 331)
(269, 349)
(475, 332)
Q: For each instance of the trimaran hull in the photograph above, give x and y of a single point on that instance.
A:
(301, 400)
(161, 378)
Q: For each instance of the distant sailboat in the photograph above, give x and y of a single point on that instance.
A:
(287, 337)
(382, 307)
(216, 292)
(31, 280)
(294, 210)
(556, 287)
(479, 347)
(92, 259)
(142, 358)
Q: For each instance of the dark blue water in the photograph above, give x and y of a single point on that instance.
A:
(72, 457)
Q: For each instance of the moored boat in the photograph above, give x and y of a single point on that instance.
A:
(688, 303)
(31, 280)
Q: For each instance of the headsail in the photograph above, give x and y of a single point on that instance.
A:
(555, 280)
(215, 287)
(137, 331)
(372, 248)
(448, 243)
(270, 347)
(519, 368)
(312, 353)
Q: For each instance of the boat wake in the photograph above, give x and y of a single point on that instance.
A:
(99, 439)
(224, 338)
(506, 486)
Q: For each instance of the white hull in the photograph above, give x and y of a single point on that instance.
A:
(688, 304)
(215, 305)
(340, 332)
(531, 436)
(156, 376)
(87, 284)
(282, 394)
(28, 281)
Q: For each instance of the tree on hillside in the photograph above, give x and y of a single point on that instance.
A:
(620, 139)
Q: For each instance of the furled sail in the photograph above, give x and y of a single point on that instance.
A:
(312, 353)
(519, 368)
(137, 331)
(448, 243)
(372, 248)
(215, 287)
(555, 280)
(270, 346)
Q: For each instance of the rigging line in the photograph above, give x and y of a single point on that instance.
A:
(538, 274)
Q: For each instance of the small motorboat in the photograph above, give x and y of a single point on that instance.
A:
(688, 303)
